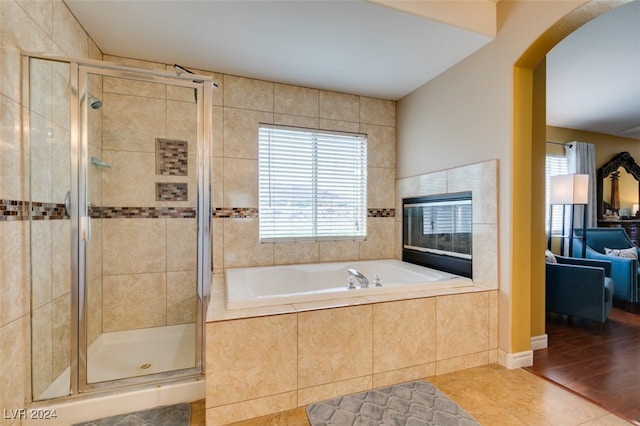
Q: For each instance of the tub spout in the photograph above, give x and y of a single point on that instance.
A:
(364, 282)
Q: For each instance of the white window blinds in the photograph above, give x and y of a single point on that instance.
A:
(448, 217)
(312, 184)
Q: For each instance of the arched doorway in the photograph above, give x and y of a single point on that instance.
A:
(529, 122)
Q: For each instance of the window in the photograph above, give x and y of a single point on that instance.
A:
(312, 184)
(555, 165)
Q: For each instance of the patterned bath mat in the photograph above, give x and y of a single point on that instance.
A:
(171, 415)
(408, 404)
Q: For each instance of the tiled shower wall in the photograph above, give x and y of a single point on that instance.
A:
(147, 235)
(45, 26)
(240, 105)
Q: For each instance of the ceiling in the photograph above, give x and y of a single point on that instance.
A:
(593, 76)
(369, 48)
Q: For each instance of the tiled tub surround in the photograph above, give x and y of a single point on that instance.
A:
(271, 359)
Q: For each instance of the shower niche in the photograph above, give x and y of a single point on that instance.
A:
(438, 232)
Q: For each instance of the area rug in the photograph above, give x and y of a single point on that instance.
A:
(408, 404)
(171, 415)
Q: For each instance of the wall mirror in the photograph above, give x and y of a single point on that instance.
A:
(618, 187)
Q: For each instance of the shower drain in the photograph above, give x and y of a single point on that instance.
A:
(144, 367)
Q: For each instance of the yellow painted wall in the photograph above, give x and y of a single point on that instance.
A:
(481, 109)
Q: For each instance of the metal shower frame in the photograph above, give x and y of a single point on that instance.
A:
(79, 69)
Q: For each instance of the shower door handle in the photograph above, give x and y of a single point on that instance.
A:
(85, 228)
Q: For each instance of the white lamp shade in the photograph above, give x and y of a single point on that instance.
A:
(569, 189)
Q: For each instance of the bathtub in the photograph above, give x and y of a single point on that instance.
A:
(286, 284)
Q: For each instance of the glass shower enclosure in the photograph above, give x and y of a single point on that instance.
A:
(120, 202)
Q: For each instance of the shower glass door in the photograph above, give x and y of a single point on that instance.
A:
(141, 180)
(119, 210)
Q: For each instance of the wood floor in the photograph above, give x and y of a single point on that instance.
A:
(603, 368)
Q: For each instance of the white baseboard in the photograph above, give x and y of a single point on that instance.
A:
(516, 360)
(539, 342)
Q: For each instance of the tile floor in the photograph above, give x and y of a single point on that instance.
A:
(492, 394)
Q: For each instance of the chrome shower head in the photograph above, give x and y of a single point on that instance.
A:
(94, 102)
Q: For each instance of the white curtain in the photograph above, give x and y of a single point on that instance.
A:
(581, 159)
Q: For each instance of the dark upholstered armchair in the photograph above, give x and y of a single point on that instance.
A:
(624, 271)
(580, 288)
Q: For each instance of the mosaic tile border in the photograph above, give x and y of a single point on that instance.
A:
(234, 212)
(14, 210)
(142, 212)
(381, 213)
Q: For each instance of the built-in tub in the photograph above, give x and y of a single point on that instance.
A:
(278, 285)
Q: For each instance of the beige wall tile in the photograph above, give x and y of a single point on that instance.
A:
(132, 123)
(347, 331)
(182, 123)
(182, 244)
(241, 132)
(217, 184)
(134, 301)
(20, 30)
(94, 308)
(334, 251)
(251, 358)
(13, 165)
(377, 111)
(241, 245)
(313, 394)
(15, 360)
(404, 334)
(381, 188)
(131, 179)
(144, 90)
(14, 270)
(240, 183)
(61, 334)
(296, 121)
(42, 352)
(134, 246)
(40, 153)
(181, 297)
(340, 126)
(10, 67)
(60, 257)
(217, 118)
(244, 410)
(493, 320)
(68, 32)
(247, 93)
(402, 375)
(379, 242)
(292, 253)
(295, 100)
(94, 250)
(481, 179)
(41, 262)
(339, 106)
(462, 325)
(462, 362)
(381, 145)
(217, 245)
(485, 249)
